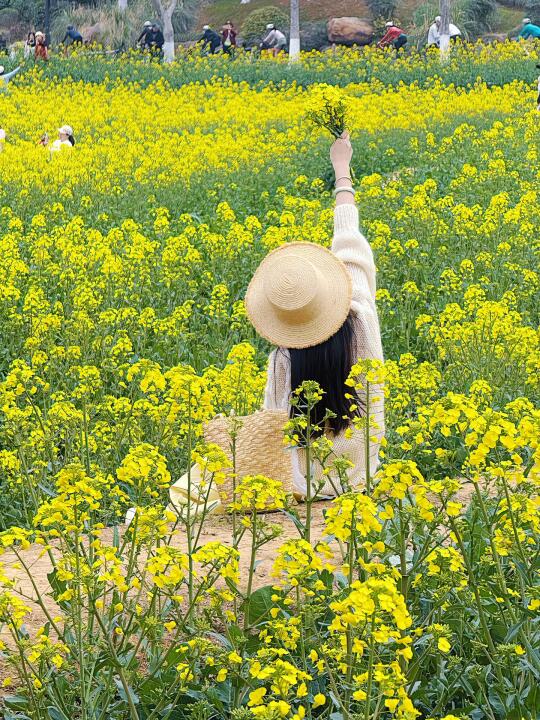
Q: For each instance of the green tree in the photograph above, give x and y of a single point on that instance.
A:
(255, 24)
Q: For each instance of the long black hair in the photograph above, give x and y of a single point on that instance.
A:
(329, 364)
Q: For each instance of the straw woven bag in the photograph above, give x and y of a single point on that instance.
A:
(259, 447)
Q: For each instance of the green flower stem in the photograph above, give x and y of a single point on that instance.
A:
(251, 562)
(309, 500)
(79, 619)
(490, 651)
(60, 633)
(371, 663)
(403, 533)
(531, 654)
(30, 685)
(188, 511)
(367, 442)
(134, 715)
(85, 435)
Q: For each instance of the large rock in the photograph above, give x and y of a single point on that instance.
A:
(350, 31)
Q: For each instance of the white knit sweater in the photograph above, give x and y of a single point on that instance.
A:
(354, 250)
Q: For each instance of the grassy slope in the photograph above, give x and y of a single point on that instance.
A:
(216, 12)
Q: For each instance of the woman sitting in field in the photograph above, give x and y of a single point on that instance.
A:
(318, 307)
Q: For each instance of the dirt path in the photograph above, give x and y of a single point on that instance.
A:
(217, 528)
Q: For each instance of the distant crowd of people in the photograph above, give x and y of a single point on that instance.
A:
(213, 42)
(151, 39)
(397, 37)
(36, 46)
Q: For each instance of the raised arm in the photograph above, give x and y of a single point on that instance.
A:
(349, 244)
(7, 77)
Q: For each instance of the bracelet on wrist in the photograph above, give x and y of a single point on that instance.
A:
(343, 177)
(344, 189)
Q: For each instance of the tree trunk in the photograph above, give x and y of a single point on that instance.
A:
(47, 21)
(444, 31)
(168, 34)
(122, 5)
(165, 10)
(294, 40)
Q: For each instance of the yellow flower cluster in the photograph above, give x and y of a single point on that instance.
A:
(125, 264)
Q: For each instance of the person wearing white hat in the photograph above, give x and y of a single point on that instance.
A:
(141, 40)
(318, 307)
(211, 39)
(529, 30)
(434, 33)
(394, 36)
(65, 138)
(274, 40)
(41, 51)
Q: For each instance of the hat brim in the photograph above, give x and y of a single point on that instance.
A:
(335, 299)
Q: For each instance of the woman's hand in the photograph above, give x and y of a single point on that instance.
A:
(341, 155)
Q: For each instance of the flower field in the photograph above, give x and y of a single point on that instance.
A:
(125, 263)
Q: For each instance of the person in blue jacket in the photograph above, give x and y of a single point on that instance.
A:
(72, 36)
(529, 30)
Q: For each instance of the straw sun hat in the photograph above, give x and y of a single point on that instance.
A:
(299, 296)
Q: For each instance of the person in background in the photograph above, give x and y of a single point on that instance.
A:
(211, 39)
(41, 52)
(394, 36)
(455, 32)
(434, 33)
(141, 40)
(155, 40)
(529, 30)
(433, 36)
(228, 37)
(274, 40)
(29, 44)
(538, 98)
(65, 138)
(2, 139)
(72, 37)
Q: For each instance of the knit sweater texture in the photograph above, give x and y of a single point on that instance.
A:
(350, 246)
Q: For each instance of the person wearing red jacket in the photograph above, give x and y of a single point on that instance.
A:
(394, 36)
(40, 51)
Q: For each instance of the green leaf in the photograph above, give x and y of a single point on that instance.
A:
(258, 605)
(56, 714)
(132, 696)
(57, 586)
(16, 702)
